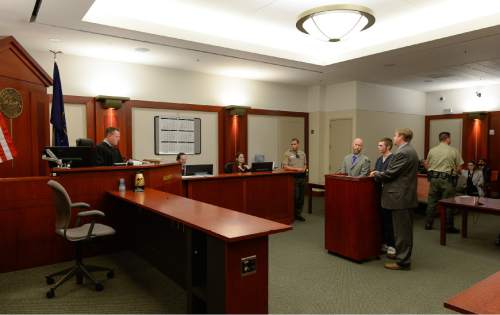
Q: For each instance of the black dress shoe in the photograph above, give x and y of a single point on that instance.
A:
(452, 230)
(428, 226)
(300, 218)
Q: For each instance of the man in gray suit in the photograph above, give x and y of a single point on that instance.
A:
(399, 194)
(356, 164)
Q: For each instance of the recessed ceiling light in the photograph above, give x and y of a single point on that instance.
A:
(142, 49)
(55, 40)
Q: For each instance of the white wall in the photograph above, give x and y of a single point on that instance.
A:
(372, 126)
(381, 109)
(382, 98)
(464, 100)
(143, 135)
(339, 97)
(90, 77)
(76, 122)
(271, 135)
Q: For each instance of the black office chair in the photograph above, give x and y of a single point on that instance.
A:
(228, 167)
(85, 142)
(77, 234)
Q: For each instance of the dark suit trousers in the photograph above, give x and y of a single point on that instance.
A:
(387, 228)
(403, 233)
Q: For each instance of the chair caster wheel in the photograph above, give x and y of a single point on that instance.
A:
(49, 280)
(50, 294)
(110, 274)
(99, 287)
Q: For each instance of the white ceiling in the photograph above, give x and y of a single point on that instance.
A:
(407, 57)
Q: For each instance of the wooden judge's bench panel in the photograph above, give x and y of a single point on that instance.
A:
(269, 195)
(30, 130)
(27, 214)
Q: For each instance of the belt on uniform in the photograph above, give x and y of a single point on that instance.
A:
(443, 175)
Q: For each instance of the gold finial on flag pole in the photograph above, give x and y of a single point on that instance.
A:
(55, 53)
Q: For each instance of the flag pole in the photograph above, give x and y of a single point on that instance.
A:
(55, 53)
(12, 136)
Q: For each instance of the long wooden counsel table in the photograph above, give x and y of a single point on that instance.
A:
(268, 195)
(482, 298)
(466, 204)
(218, 255)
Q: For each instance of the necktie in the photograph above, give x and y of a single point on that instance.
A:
(354, 158)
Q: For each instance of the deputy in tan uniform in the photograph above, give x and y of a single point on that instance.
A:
(443, 165)
(295, 160)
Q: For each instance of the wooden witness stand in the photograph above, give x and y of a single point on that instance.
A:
(251, 193)
(352, 219)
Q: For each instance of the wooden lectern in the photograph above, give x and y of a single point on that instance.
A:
(352, 217)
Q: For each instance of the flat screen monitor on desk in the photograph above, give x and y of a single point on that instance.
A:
(262, 166)
(75, 156)
(199, 169)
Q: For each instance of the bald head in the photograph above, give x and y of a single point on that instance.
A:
(357, 145)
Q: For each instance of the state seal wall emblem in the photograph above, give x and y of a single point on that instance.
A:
(11, 103)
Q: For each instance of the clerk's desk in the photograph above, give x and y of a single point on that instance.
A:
(268, 195)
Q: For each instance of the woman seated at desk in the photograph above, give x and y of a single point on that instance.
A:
(472, 181)
(239, 164)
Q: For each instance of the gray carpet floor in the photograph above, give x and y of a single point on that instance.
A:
(303, 277)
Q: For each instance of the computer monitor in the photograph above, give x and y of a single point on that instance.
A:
(259, 158)
(199, 169)
(75, 156)
(262, 166)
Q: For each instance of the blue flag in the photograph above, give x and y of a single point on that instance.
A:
(57, 118)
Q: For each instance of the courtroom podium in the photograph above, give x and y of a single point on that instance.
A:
(352, 217)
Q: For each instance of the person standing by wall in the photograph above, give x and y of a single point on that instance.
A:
(295, 160)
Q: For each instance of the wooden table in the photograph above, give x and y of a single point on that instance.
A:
(466, 204)
(482, 298)
(219, 256)
(269, 195)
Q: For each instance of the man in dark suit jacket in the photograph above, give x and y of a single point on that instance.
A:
(399, 194)
(107, 152)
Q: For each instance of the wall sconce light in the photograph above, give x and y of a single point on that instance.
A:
(114, 102)
(235, 110)
(477, 115)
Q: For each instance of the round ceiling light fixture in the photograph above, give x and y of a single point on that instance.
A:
(333, 23)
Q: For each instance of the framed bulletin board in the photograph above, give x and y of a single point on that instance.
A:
(177, 134)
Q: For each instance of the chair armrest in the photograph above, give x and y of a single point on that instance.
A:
(80, 205)
(90, 213)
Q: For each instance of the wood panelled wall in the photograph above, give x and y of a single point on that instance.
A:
(477, 142)
(232, 130)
